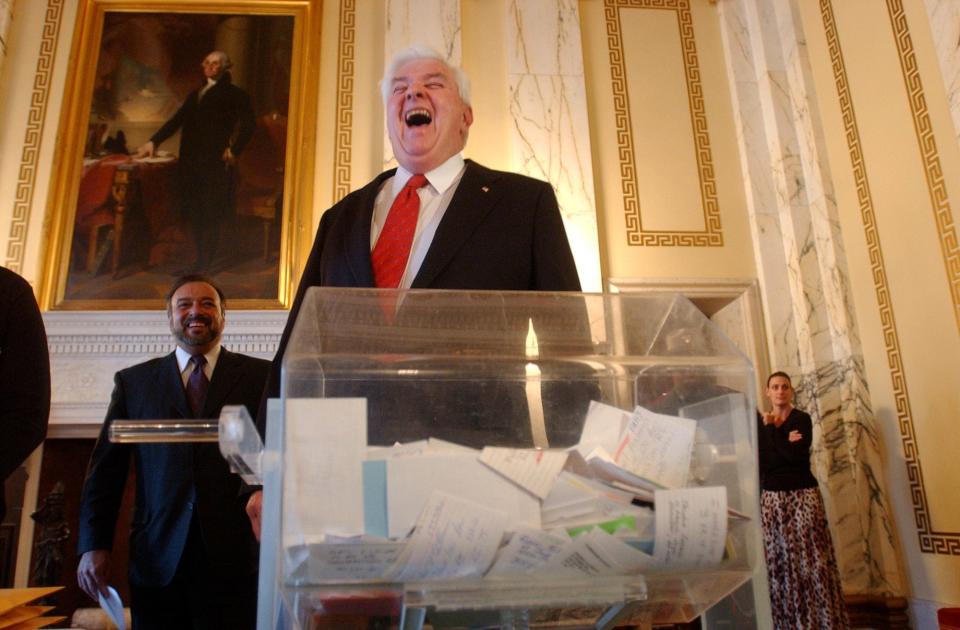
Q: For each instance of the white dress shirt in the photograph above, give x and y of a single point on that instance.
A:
(434, 200)
(206, 88)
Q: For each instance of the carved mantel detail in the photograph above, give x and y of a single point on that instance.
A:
(87, 348)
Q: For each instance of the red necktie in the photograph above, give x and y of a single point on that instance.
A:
(197, 385)
(390, 254)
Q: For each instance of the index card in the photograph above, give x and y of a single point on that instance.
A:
(602, 427)
(527, 550)
(113, 606)
(577, 558)
(326, 443)
(410, 480)
(691, 526)
(533, 470)
(604, 468)
(453, 538)
(436, 445)
(375, 453)
(353, 560)
(628, 558)
(657, 447)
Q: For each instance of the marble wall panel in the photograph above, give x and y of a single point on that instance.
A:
(945, 25)
(802, 264)
(433, 23)
(550, 137)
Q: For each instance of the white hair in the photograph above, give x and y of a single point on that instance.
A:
(419, 51)
(224, 59)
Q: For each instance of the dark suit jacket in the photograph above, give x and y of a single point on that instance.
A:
(501, 232)
(24, 375)
(173, 480)
(222, 118)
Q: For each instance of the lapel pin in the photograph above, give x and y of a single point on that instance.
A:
(485, 188)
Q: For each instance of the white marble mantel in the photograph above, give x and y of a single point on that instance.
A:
(88, 347)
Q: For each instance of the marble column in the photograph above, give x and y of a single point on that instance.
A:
(550, 137)
(434, 23)
(6, 17)
(945, 25)
(803, 274)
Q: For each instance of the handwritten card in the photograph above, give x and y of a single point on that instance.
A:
(326, 441)
(353, 561)
(533, 470)
(410, 481)
(596, 553)
(602, 427)
(691, 527)
(453, 538)
(657, 447)
(527, 550)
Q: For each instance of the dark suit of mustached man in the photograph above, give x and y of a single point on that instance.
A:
(193, 556)
(474, 228)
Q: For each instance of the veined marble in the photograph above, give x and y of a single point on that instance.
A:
(6, 16)
(548, 106)
(434, 23)
(945, 25)
(802, 271)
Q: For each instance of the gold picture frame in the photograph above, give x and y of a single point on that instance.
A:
(121, 228)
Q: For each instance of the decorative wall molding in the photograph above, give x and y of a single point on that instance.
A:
(33, 137)
(343, 147)
(804, 280)
(927, 145)
(931, 541)
(712, 234)
(87, 348)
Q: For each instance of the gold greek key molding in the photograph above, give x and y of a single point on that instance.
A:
(932, 169)
(711, 235)
(343, 145)
(930, 541)
(27, 177)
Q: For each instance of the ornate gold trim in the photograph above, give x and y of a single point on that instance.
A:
(930, 541)
(712, 235)
(932, 169)
(299, 167)
(343, 145)
(33, 137)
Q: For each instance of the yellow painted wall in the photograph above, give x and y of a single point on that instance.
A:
(899, 253)
(666, 62)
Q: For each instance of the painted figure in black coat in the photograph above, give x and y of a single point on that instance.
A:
(193, 556)
(24, 375)
(477, 228)
(216, 122)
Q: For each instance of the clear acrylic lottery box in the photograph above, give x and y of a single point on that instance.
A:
(506, 459)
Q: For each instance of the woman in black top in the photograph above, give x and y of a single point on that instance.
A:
(804, 581)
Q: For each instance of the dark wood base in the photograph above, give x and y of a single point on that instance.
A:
(878, 612)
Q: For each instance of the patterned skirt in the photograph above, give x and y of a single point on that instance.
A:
(805, 588)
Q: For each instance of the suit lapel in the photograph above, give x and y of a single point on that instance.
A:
(358, 233)
(475, 196)
(225, 376)
(171, 385)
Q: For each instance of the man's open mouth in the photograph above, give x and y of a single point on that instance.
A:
(417, 117)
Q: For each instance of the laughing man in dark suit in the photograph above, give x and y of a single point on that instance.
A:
(193, 557)
(477, 228)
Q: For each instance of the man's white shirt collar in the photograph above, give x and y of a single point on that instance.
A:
(440, 178)
(183, 360)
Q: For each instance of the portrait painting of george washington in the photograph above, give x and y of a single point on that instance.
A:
(180, 159)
